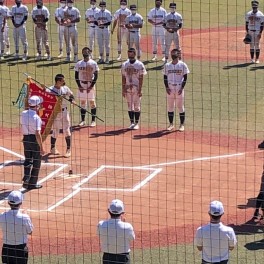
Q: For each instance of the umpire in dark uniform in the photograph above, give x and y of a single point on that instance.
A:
(32, 141)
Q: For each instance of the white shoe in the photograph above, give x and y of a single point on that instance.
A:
(1, 56)
(136, 127)
(60, 55)
(82, 123)
(54, 151)
(38, 57)
(252, 61)
(181, 128)
(46, 54)
(93, 124)
(49, 58)
(170, 127)
(100, 61)
(68, 153)
(7, 52)
(75, 58)
(163, 59)
(257, 62)
(107, 61)
(119, 58)
(24, 58)
(131, 126)
(154, 58)
(68, 59)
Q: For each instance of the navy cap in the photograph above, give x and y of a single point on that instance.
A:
(102, 3)
(133, 7)
(172, 5)
(132, 50)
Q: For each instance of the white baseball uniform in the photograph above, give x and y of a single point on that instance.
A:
(41, 32)
(86, 70)
(132, 73)
(59, 14)
(18, 14)
(70, 32)
(6, 32)
(3, 16)
(175, 73)
(92, 28)
(172, 21)
(103, 32)
(254, 21)
(157, 15)
(62, 120)
(134, 33)
(122, 32)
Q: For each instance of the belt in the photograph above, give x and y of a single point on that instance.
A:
(92, 26)
(133, 31)
(102, 27)
(253, 30)
(70, 26)
(127, 253)
(174, 84)
(85, 82)
(63, 109)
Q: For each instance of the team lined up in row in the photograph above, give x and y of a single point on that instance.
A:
(165, 28)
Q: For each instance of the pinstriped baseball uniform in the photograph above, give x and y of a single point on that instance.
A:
(158, 15)
(18, 14)
(41, 32)
(92, 28)
(3, 16)
(6, 32)
(59, 14)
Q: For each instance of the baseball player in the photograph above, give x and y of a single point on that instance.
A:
(175, 78)
(86, 74)
(120, 19)
(70, 17)
(103, 20)
(260, 200)
(156, 17)
(132, 80)
(19, 15)
(3, 16)
(134, 23)
(58, 18)
(92, 29)
(62, 120)
(254, 27)
(6, 30)
(172, 24)
(40, 15)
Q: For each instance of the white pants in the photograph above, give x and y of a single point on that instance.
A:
(169, 38)
(103, 39)
(92, 36)
(158, 35)
(20, 33)
(6, 36)
(71, 38)
(122, 33)
(61, 36)
(2, 42)
(62, 121)
(86, 96)
(134, 39)
(254, 40)
(174, 99)
(133, 100)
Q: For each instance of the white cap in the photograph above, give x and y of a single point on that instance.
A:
(216, 208)
(15, 197)
(116, 207)
(35, 100)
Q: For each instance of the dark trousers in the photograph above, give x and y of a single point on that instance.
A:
(32, 159)
(221, 262)
(17, 254)
(116, 258)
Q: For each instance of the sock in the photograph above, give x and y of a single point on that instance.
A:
(257, 54)
(252, 54)
(171, 116)
(83, 112)
(131, 116)
(93, 111)
(137, 115)
(182, 118)
(53, 142)
(68, 142)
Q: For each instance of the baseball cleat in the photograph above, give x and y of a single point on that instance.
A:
(154, 58)
(93, 124)
(60, 55)
(181, 128)
(119, 58)
(24, 58)
(261, 145)
(54, 151)
(136, 127)
(7, 52)
(131, 126)
(107, 61)
(257, 62)
(68, 59)
(75, 58)
(38, 57)
(252, 61)
(17, 56)
(68, 153)
(1, 56)
(170, 127)
(100, 61)
(82, 123)
(49, 58)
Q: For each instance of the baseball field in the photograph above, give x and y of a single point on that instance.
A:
(166, 179)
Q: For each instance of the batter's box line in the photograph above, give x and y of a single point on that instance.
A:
(133, 189)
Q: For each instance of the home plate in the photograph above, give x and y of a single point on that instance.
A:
(67, 176)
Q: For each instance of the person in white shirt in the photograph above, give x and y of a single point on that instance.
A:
(6, 29)
(254, 27)
(40, 15)
(215, 239)
(32, 141)
(19, 15)
(156, 17)
(3, 17)
(115, 235)
(16, 226)
(120, 20)
(92, 28)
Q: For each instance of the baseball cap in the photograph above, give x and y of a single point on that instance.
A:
(102, 3)
(172, 5)
(116, 207)
(15, 197)
(216, 208)
(35, 100)
(254, 3)
(133, 7)
(131, 50)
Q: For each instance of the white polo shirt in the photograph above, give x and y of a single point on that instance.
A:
(215, 240)
(15, 227)
(30, 122)
(115, 236)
